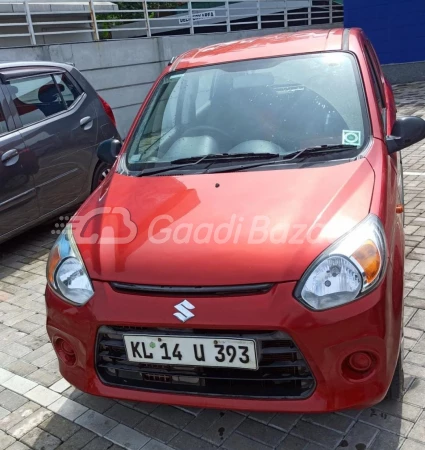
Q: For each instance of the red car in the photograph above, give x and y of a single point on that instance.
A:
(247, 250)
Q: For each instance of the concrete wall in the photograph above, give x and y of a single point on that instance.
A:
(122, 71)
(396, 27)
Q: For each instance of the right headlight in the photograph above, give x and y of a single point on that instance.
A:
(348, 269)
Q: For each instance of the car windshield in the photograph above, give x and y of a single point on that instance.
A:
(271, 106)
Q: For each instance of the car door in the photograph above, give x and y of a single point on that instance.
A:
(387, 107)
(59, 125)
(389, 111)
(18, 200)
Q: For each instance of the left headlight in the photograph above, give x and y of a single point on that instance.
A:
(348, 269)
(66, 273)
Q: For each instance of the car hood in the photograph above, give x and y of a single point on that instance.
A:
(219, 229)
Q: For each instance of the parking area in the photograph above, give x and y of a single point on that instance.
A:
(39, 410)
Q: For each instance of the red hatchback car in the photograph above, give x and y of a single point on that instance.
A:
(247, 249)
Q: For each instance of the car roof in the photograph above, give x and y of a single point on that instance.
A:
(283, 44)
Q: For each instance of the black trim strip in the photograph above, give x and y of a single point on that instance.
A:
(346, 40)
(7, 74)
(196, 291)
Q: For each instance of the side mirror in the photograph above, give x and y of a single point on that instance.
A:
(406, 131)
(108, 150)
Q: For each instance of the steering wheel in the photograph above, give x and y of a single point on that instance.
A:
(220, 135)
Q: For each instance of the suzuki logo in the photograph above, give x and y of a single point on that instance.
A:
(184, 313)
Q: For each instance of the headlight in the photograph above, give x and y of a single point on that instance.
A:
(66, 273)
(348, 269)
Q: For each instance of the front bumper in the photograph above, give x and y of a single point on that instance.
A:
(325, 339)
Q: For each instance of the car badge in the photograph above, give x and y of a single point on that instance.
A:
(184, 311)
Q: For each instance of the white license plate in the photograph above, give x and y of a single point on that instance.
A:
(191, 351)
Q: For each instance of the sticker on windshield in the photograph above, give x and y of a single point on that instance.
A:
(351, 137)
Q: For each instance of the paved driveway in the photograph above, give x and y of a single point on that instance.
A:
(39, 410)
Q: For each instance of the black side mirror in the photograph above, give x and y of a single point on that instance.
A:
(406, 131)
(108, 150)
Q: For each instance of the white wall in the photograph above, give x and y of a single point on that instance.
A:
(122, 71)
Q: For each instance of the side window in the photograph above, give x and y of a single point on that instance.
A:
(69, 92)
(376, 81)
(378, 90)
(3, 126)
(36, 98)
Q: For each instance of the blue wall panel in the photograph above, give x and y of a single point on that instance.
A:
(395, 27)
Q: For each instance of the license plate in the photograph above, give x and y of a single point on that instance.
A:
(191, 351)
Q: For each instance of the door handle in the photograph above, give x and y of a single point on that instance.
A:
(10, 157)
(86, 123)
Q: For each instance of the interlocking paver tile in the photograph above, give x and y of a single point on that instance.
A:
(127, 438)
(60, 386)
(223, 427)
(185, 441)
(240, 442)
(42, 395)
(172, 415)
(285, 421)
(98, 443)
(40, 440)
(292, 443)
(19, 384)
(78, 440)
(155, 445)
(412, 445)
(333, 421)
(203, 422)
(359, 436)
(386, 421)
(18, 446)
(30, 422)
(416, 393)
(124, 415)
(3, 413)
(20, 367)
(67, 408)
(98, 404)
(17, 416)
(5, 440)
(59, 427)
(260, 432)
(10, 400)
(387, 441)
(157, 429)
(44, 377)
(400, 409)
(316, 434)
(96, 422)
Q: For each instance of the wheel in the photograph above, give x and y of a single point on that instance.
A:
(100, 173)
(396, 390)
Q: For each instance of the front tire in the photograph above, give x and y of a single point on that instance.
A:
(100, 173)
(396, 390)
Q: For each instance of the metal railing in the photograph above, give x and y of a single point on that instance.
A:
(24, 22)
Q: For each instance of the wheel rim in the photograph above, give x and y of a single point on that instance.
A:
(103, 175)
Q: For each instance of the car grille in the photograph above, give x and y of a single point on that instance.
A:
(282, 372)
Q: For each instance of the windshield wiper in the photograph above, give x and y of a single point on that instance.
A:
(194, 160)
(319, 149)
(322, 149)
